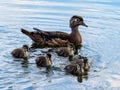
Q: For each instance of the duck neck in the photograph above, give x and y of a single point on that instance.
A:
(75, 32)
(75, 29)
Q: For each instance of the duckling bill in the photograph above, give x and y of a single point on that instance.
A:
(21, 52)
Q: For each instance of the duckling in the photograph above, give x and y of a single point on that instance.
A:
(84, 62)
(66, 51)
(57, 38)
(21, 52)
(80, 59)
(63, 51)
(78, 67)
(44, 60)
(75, 69)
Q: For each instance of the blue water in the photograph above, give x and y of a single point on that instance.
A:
(101, 43)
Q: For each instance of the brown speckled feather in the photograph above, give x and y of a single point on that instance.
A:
(56, 34)
(36, 37)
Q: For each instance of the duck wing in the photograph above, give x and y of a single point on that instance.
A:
(45, 39)
(53, 34)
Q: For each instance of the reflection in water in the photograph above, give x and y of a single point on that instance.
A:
(79, 78)
(25, 63)
(100, 44)
(77, 49)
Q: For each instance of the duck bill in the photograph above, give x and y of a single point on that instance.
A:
(84, 24)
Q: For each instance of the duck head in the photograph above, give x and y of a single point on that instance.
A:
(75, 21)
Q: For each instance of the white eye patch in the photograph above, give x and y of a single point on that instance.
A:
(75, 20)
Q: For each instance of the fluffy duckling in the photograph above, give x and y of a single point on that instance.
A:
(65, 51)
(44, 60)
(80, 59)
(21, 52)
(84, 62)
(78, 66)
(75, 69)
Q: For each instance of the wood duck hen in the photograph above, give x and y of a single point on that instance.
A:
(57, 38)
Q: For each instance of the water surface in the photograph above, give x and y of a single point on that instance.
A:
(101, 42)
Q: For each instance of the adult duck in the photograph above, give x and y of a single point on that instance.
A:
(57, 38)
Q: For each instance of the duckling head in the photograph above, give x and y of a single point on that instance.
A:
(70, 48)
(25, 51)
(48, 55)
(86, 64)
(80, 69)
(48, 59)
(75, 21)
(25, 47)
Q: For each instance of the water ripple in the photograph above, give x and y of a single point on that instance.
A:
(101, 41)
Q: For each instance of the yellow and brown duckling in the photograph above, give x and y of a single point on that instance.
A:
(66, 51)
(84, 62)
(79, 66)
(75, 69)
(21, 52)
(57, 38)
(63, 51)
(44, 60)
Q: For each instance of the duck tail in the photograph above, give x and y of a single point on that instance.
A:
(34, 36)
(26, 32)
(38, 30)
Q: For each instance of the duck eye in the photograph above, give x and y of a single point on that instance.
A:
(76, 20)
